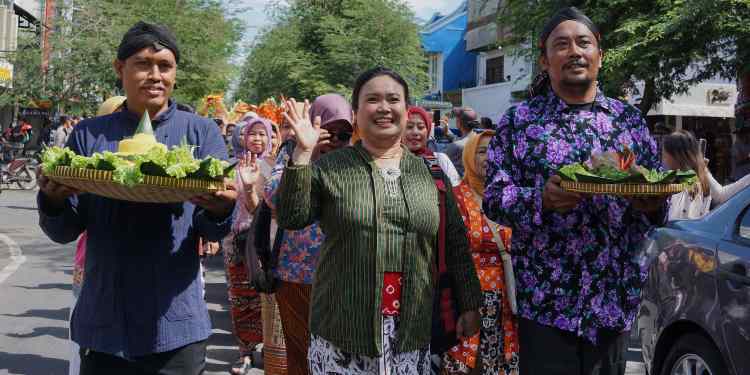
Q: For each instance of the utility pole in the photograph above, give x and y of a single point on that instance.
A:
(48, 16)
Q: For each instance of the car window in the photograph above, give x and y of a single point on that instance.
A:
(744, 227)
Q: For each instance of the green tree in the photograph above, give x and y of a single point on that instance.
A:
(669, 45)
(84, 45)
(316, 47)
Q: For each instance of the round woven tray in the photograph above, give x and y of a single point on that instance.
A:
(623, 189)
(153, 189)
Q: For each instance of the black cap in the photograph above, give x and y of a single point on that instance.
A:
(143, 35)
(567, 14)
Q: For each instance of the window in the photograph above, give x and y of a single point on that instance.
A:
(495, 70)
(436, 67)
(744, 227)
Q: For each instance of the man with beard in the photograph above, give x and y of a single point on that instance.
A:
(578, 272)
(141, 309)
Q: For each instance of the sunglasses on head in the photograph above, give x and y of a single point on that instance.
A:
(342, 136)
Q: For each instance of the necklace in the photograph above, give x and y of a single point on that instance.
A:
(390, 177)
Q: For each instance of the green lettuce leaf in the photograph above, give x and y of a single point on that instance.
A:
(155, 162)
(210, 168)
(128, 174)
(130, 170)
(180, 161)
(54, 157)
(81, 162)
(107, 161)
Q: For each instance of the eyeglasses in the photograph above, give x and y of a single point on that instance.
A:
(341, 136)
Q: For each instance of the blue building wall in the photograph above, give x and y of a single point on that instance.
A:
(459, 66)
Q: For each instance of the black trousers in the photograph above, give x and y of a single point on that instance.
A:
(550, 351)
(187, 360)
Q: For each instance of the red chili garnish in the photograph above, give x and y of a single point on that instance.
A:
(626, 159)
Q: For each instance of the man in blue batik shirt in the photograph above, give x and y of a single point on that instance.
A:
(141, 309)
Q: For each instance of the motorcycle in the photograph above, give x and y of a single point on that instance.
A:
(16, 170)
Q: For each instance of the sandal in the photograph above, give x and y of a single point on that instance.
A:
(242, 366)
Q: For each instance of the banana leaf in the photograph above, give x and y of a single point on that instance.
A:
(603, 175)
(569, 171)
(653, 176)
(610, 175)
(686, 177)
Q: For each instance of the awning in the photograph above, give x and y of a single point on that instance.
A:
(693, 111)
(702, 100)
(431, 45)
(434, 104)
(481, 37)
(26, 20)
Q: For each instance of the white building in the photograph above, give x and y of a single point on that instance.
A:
(707, 109)
(501, 76)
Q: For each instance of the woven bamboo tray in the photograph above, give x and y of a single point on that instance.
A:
(623, 189)
(154, 189)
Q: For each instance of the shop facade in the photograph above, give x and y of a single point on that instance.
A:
(708, 111)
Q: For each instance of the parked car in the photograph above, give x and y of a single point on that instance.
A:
(695, 314)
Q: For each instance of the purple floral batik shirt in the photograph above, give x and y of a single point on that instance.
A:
(579, 271)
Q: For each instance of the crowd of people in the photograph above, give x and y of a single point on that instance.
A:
(391, 253)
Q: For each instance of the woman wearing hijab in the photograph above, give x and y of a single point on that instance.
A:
(252, 144)
(299, 249)
(418, 129)
(494, 350)
(376, 203)
(275, 141)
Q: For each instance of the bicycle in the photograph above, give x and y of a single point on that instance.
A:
(14, 169)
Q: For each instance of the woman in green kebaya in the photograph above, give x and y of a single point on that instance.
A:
(377, 204)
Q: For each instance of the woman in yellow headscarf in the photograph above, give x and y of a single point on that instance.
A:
(494, 350)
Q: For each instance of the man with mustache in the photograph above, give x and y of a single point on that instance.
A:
(577, 267)
(141, 309)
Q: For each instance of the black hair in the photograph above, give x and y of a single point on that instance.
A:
(567, 14)
(683, 147)
(540, 83)
(487, 123)
(374, 73)
(143, 35)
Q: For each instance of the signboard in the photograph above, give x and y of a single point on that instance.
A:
(719, 96)
(6, 74)
(29, 112)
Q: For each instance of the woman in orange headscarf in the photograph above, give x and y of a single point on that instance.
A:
(494, 350)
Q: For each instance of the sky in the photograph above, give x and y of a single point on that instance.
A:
(253, 13)
(255, 17)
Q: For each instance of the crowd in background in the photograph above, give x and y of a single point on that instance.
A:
(384, 239)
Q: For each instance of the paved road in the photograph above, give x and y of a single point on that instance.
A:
(35, 298)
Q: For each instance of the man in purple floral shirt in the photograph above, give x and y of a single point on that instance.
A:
(578, 271)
